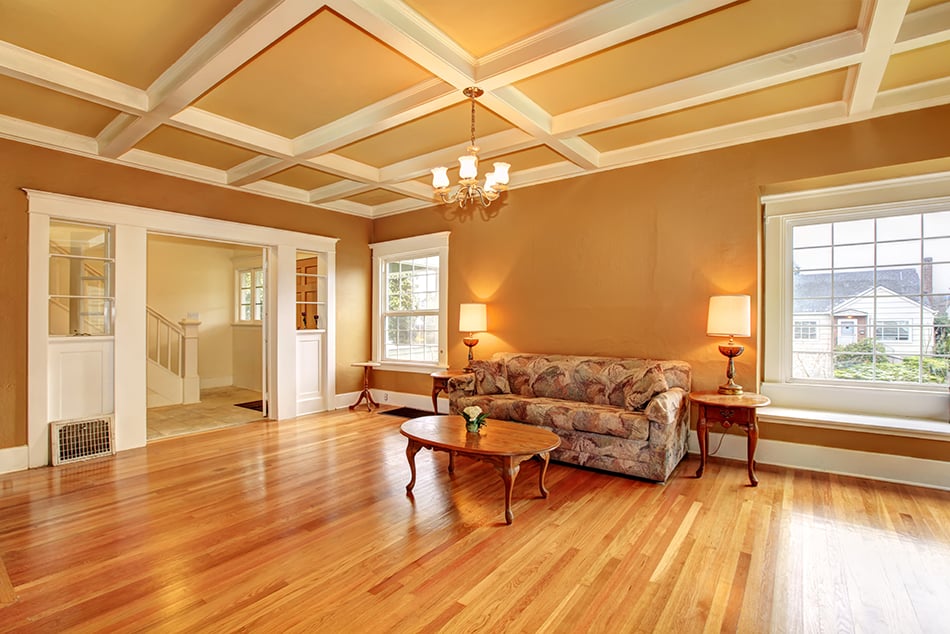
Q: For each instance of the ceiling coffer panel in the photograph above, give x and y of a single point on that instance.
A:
(346, 105)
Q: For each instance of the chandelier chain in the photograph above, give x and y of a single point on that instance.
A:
(473, 119)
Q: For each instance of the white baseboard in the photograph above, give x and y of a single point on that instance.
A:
(217, 381)
(389, 398)
(933, 474)
(14, 459)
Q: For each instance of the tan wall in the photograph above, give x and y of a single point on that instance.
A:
(190, 276)
(26, 166)
(623, 262)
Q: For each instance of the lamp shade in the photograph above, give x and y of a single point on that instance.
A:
(729, 316)
(473, 318)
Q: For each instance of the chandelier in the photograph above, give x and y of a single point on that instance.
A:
(468, 187)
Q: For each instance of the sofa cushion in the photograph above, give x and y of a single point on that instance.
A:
(552, 380)
(633, 385)
(491, 376)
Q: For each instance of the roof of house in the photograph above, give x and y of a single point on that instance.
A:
(815, 292)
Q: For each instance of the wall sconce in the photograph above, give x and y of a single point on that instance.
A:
(472, 318)
(729, 316)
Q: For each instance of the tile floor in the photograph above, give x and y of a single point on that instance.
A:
(216, 409)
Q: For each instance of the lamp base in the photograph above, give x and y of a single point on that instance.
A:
(731, 351)
(730, 388)
(471, 342)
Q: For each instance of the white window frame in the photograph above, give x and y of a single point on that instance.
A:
(237, 293)
(433, 244)
(915, 194)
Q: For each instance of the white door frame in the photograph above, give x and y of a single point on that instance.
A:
(131, 226)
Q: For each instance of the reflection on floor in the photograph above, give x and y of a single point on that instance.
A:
(216, 409)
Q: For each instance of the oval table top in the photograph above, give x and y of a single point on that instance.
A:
(497, 437)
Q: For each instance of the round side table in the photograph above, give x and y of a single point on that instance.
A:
(367, 368)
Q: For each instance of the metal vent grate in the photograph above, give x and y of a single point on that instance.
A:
(75, 440)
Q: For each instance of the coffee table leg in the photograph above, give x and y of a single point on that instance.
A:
(411, 450)
(543, 458)
(509, 471)
(451, 462)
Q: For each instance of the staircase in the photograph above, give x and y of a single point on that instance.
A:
(172, 348)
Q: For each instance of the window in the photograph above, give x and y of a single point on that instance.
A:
(893, 331)
(81, 274)
(409, 316)
(805, 330)
(856, 302)
(250, 290)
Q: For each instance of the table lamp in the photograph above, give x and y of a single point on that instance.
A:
(729, 316)
(472, 319)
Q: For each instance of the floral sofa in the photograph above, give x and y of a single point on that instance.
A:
(628, 415)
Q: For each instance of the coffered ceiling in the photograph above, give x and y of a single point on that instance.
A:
(347, 104)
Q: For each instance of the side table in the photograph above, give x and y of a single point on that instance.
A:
(728, 410)
(367, 368)
(440, 382)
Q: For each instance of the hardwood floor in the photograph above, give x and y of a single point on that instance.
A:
(305, 526)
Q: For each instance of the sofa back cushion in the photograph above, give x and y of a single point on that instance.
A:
(629, 383)
(491, 376)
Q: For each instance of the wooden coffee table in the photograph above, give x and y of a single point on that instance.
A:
(502, 444)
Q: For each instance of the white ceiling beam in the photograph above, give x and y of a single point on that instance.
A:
(403, 29)
(768, 127)
(592, 31)
(44, 136)
(255, 169)
(20, 63)
(344, 168)
(174, 166)
(880, 33)
(924, 28)
(925, 95)
(243, 33)
(794, 63)
(412, 189)
(343, 189)
(513, 105)
(233, 132)
(420, 100)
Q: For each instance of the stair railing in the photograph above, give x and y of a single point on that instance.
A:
(165, 341)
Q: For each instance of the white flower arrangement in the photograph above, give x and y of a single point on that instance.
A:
(474, 418)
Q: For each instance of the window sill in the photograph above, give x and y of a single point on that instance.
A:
(417, 368)
(884, 425)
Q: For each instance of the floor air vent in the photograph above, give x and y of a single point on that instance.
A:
(76, 440)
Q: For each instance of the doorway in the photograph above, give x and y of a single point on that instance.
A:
(216, 292)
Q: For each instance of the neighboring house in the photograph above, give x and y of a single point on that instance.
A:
(896, 308)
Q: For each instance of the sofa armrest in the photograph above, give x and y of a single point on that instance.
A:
(665, 411)
(461, 385)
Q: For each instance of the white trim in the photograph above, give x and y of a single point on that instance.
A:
(406, 248)
(782, 212)
(14, 459)
(933, 474)
(133, 223)
(881, 425)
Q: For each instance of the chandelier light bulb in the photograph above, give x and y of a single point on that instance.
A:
(501, 172)
(440, 177)
(489, 182)
(468, 167)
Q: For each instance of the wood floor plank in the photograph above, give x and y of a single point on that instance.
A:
(305, 525)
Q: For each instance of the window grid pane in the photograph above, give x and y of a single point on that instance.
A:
(864, 302)
(411, 304)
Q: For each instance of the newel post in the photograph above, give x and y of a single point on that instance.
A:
(191, 382)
